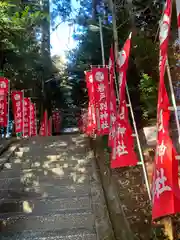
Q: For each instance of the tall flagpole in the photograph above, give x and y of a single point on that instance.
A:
(139, 145)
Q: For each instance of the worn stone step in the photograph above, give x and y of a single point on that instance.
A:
(45, 177)
(15, 170)
(49, 222)
(75, 234)
(17, 164)
(67, 191)
(48, 159)
(37, 207)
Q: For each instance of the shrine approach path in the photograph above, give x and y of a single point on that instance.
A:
(45, 191)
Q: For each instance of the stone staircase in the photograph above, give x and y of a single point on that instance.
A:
(45, 193)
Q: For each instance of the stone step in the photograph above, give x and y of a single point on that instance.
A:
(45, 177)
(75, 234)
(49, 222)
(18, 163)
(37, 207)
(44, 192)
(14, 170)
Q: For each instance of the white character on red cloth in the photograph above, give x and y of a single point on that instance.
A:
(160, 122)
(159, 184)
(101, 87)
(103, 115)
(103, 106)
(161, 149)
(121, 149)
(121, 130)
(104, 125)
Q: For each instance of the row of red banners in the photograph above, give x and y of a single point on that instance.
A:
(25, 113)
(23, 109)
(105, 117)
(47, 124)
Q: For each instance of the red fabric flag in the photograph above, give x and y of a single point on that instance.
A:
(44, 125)
(113, 113)
(4, 84)
(17, 104)
(101, 94)
(123, 153)
(123, 66)
(50, 126)
(91, 108)
(3, 108)
(4, 87)
(165, 190)
(89, 129)
(56, 117)
(26, 113)
(33, 120)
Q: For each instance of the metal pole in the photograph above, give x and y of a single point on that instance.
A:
(102, 43)
(139, 145)
(173, 99)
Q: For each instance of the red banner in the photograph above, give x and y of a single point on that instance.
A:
(113, 109)
(91, 108)
(123, 65)
(4, 84)
(165, 191)
(56, 116)
(3, 108)
(26, 112)
(17, 104)
(101, 94)
(33, 120)
(123, 153)
(4, 87)
(90, 85)
(44, 125)
(50, 126)
(165, 188)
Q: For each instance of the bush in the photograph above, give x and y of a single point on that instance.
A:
(148, 90)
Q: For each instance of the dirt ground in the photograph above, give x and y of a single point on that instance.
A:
(133, 195)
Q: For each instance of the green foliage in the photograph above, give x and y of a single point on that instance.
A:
(148, 91)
